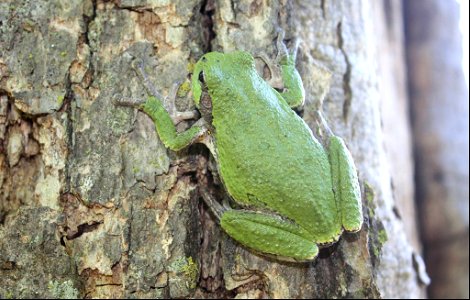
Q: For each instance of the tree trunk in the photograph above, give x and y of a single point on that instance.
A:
(439, 98)
(93, 205)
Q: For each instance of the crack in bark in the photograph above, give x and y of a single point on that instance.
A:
(323, 9)
(347, 90)
(70, 96)
(207, 11)
(8, 265)
(84, 228)
(137, 9)
(108, 284)
(88, 20)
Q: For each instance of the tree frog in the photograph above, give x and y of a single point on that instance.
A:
(292, 192)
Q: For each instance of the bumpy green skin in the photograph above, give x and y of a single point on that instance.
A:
(296, 195)
(346, 184)
(165, 127)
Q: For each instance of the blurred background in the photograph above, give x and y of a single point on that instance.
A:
(437, 57)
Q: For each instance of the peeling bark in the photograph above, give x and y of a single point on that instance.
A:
(92, 204)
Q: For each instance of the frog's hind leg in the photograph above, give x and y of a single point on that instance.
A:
(346, 184)
(269, 234)
(344, 177)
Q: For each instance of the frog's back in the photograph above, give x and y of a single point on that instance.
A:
(269, 157)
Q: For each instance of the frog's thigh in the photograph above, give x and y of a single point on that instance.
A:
(269, 234)
(346, 185)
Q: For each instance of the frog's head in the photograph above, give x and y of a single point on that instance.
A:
(213, 68)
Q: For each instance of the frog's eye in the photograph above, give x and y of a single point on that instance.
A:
(204, 59)
(201, 77)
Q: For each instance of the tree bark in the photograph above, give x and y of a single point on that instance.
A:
(93, 205)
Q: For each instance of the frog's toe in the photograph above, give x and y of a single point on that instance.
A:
(120, 100)
(283, 50)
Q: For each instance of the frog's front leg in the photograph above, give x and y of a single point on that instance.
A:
(170, 107)
(164, 122)
(270, 234)
(293, 90)
(178, 116)
(344, 177)
(166, 128)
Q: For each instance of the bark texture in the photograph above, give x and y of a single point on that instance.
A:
(93, 205)
(439, 98)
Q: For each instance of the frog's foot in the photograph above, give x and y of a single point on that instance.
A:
(275, 66)
(170, 106)
(283, 51)
(138, 66)
(269, 234)
(180, 116)
(138, 103)
(293, 92)
(119, 100)
(169, 102)
(216, 208)
(323, 131)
